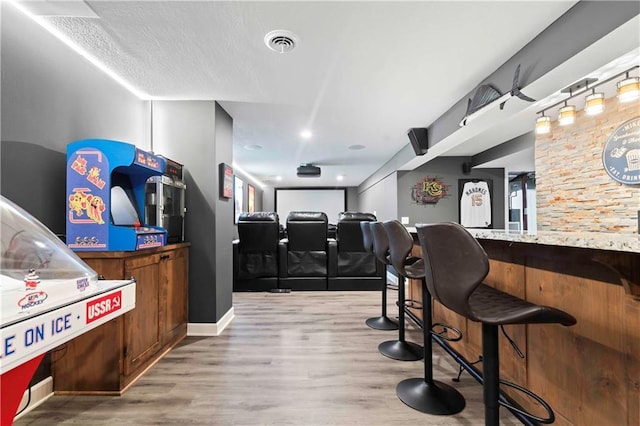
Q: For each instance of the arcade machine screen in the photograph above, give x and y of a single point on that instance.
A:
(123, 206)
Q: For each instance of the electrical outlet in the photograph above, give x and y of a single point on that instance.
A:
(405, 220)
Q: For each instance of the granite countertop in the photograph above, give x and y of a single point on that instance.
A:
(593, 240)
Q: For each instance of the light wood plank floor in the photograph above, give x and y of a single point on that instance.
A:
(304, 358)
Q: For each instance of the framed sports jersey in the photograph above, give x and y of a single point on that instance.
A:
(475, 203)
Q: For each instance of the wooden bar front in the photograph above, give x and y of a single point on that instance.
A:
(588, 373)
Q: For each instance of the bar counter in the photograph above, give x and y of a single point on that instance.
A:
(588, 373)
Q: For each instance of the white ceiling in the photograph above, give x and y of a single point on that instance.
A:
(363, 72)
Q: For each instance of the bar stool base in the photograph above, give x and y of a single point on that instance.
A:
(382, 323)
(401, 351)
(431, 398)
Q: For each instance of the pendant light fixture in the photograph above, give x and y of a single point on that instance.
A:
(543, 124)
(629, 89)
(567, 114)
(594, 103)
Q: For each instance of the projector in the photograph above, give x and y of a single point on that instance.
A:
(308, 170)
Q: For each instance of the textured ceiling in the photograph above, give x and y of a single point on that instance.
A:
(363, 72)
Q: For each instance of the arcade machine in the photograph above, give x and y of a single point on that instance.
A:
(48, 296)
(164, 201)
(105, 196)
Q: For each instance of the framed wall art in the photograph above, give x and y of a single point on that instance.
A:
(226, 180)
(475, 203)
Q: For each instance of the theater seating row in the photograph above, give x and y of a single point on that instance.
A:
(307, 259)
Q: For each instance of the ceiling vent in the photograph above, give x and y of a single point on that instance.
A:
(308, 170)
(281, 41)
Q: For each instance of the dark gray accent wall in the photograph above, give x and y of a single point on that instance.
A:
(199, 135)
(353, 204)
(34, 178)
(520, 143)
(223, 221)
(448, 169)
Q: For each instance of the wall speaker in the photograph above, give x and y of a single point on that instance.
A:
(418, 138)
(466, 167)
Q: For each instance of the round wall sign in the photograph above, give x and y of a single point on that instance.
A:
(621, 155)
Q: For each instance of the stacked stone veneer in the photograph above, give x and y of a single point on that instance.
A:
(574, 192)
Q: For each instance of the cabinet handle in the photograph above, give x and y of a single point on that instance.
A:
(164, 256)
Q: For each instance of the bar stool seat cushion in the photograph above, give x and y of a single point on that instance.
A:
(414, 268)
(495, 307)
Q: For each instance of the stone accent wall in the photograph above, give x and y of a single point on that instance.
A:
(574, 192)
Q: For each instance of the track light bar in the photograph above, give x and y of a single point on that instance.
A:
(583, 86)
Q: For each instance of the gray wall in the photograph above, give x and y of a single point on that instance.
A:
(448, 169)
(582, 25)
(50, 97)
(199, 135)
(223, 218)
(269, 199)
(381, 198)
(353, 199)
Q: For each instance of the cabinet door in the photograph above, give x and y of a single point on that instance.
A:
(174, 279)
(142, 325)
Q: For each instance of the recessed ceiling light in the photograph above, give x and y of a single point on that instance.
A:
(254, 147)
(356, 147)
(278, 177)
(306, 134)
(340, 177)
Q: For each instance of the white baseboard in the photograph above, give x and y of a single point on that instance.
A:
(210, 329)
(392, 279)
(40, 392)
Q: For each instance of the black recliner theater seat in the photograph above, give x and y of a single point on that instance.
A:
(303, 254)
(351, 266)
(255, 253)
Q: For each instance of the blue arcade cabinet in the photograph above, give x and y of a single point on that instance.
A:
(105, 196)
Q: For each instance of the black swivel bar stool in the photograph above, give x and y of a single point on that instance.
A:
(397, 349)
(423, 393)
(455, 266)
(383, 322)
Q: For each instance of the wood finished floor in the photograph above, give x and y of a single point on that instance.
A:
(304, 358)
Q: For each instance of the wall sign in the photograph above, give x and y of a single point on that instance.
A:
(429, 190)
(621, 154)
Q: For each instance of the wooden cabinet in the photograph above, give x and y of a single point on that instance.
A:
(174, 321)
(110, 358)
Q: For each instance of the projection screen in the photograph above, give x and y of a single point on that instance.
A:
(330, 201)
